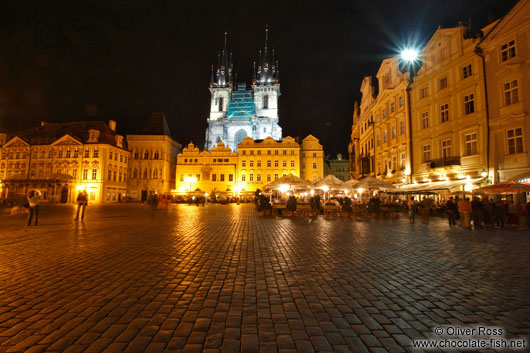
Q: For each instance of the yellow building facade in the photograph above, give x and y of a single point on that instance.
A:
(380, 138)
(256, 164)
(153, 160)
(86, 155)
(505, 50)
(213, 172)
(449, 125)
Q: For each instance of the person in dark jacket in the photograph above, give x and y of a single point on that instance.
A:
(477, 209)
(451, 211)
(82, 202)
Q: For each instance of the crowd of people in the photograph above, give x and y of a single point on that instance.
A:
(476, 212)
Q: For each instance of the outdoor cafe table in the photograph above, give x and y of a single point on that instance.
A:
(277, 208)
(303, 209)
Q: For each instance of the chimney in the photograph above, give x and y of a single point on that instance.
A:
(112, 125)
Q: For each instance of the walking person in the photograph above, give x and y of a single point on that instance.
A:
(82, 202)
(33, 200)
(451, 211)
(412, 207)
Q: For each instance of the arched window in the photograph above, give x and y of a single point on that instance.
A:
(145, 173)
(221, 100)
(266, 101)
(155, 156)
(146, 154)
(135, 173)
(155, 174)
(135, 154)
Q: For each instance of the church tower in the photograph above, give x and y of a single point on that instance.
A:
(266, 82)
(237, 112)
(221, 84)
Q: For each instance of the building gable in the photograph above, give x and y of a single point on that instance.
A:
(67, 140)
(16, 142)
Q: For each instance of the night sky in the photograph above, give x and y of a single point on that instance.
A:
(121, 60)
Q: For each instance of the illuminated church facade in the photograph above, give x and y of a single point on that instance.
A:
(238, 111)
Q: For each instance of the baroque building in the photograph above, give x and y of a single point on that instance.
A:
(255, 164)
(381, 129)
(237, 111)
(60, 159)
(505, 52)
(153, 160)
(449, 111)
(337, 167)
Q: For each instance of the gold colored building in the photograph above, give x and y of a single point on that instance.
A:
(213, 172)
(505, 49)
(390, 115)
(153, 160)
(312, 161)
(449, 125)
(61, 159)
(256, 164)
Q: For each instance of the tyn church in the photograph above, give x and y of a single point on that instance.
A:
(237, 111)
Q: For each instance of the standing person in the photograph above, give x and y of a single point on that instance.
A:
(426, 206)
(82, 202)
(464, 207)
(152, 202)
(412, 206)
(33, 200)
(476, 209)
(451, 211)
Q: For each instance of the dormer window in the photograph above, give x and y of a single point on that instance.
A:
(266, 101)
(93, 135)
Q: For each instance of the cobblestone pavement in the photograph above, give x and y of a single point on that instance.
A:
(221, 279)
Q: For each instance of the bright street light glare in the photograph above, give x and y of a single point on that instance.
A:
(409, 55)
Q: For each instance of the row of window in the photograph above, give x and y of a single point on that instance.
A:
(146, 155)
(64, 154)
(269, 163)
(269, 152)
(146, 173)
(390, 164)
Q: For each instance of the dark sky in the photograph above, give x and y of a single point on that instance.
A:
(100, 60)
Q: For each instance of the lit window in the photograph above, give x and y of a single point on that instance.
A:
(268, 163)
(400, 101)
(258, 163)
(67, 154)
(59, 154)
(95, 153)
(230, 177)
(85, 174)
(314, 165)
(243, 177)
(214, 177)
(258, 177)
(292, 164)
(402, 127)
(275, 176)
(268, 177)
(94, 174)
(394, 131)
(471, 144)
(251, 177)
(284, 164)
(243, 163)
(392, 107)
(221, 177)
(276, 163)
(384, 136)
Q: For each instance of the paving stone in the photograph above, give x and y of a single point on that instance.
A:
(224, 279)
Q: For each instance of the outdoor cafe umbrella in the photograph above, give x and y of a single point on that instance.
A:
(291, 181)
(371, 183)
(332, 182)
(351, 183)
(510, 187)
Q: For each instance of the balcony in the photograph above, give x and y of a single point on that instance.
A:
(444, 162)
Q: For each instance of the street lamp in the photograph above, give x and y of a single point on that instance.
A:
(484, 173)
(325, 188)
(409, 55)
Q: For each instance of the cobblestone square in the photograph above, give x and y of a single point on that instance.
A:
(222, 279)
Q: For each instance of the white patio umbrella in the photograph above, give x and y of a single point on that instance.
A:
(351, 183)
(371, 183)
(288, 182)
(332, 182)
